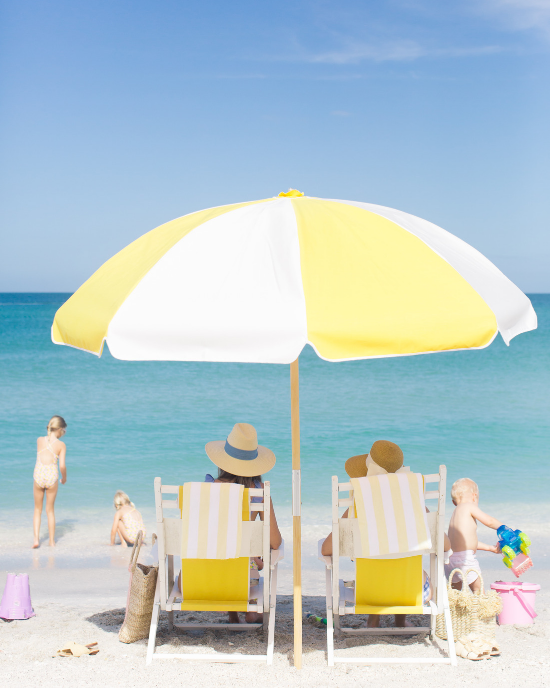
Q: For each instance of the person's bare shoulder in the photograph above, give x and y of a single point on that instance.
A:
(470, 506)
(462, 515)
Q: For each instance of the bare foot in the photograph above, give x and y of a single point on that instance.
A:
(401, 621)
(374, 621)
(253, 617)
(123, 543)
(234, 617)
(36, 544)
(52, 543)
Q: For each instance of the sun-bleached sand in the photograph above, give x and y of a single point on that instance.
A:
(87, 605)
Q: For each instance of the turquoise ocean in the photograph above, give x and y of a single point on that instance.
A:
(484, 414)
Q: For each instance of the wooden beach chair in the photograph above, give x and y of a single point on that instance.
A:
(385, 585)
(221, 585)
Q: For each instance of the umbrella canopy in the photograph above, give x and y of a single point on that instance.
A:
(257, 281)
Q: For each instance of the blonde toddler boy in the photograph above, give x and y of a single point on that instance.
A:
(463, 533)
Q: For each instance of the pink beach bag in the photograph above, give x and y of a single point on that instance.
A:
(518, 602)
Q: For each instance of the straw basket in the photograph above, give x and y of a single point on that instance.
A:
(470, 612)
(141, 597)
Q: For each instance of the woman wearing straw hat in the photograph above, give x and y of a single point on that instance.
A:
(384, 457)
(240, 459)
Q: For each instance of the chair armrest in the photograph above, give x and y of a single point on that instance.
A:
(155, 550)
(323, 557)
(175, 591)
(278, 554)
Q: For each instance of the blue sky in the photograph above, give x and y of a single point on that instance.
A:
(117, 116)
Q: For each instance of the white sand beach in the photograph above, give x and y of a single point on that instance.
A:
(86, 604)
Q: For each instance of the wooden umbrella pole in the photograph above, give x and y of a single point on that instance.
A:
(296, 511)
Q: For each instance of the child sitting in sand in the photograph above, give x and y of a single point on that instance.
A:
(127, 521)
(463, 533)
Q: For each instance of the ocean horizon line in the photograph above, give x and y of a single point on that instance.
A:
(70, 293)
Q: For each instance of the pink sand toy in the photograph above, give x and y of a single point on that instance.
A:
(16, 600)
(520, 564)
(518, 602)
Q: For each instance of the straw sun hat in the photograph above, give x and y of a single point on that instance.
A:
(385, 454)
(240, 454)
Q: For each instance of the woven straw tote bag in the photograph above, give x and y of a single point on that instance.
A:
(141, 597)
(470, 612)
(489, 605)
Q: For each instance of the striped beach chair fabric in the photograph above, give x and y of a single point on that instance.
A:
(391, 514)
(386, 533)
(205, 542)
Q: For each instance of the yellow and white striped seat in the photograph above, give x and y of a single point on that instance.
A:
(386, 534)
(211, 577)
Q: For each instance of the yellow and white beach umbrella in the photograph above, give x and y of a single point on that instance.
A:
(257, 281)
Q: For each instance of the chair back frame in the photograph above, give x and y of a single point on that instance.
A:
(345, 533)
(255, 539)
(255, 542)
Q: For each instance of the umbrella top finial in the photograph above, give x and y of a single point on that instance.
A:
(292, 193)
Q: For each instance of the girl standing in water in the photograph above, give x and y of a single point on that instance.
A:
(49, 451)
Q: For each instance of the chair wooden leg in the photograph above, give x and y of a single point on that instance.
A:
(450, 639)
(330, 620)
(266, 601)
(153, 632)
(272, 606)
(449, 628)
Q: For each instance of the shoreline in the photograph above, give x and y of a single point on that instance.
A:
(83, 541)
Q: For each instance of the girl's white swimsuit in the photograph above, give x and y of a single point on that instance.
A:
(46, 474)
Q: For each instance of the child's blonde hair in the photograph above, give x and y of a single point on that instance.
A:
(461, 487)
(121, 499)
(56, 423)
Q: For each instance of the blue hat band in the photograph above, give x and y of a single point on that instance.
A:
(242, 454)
